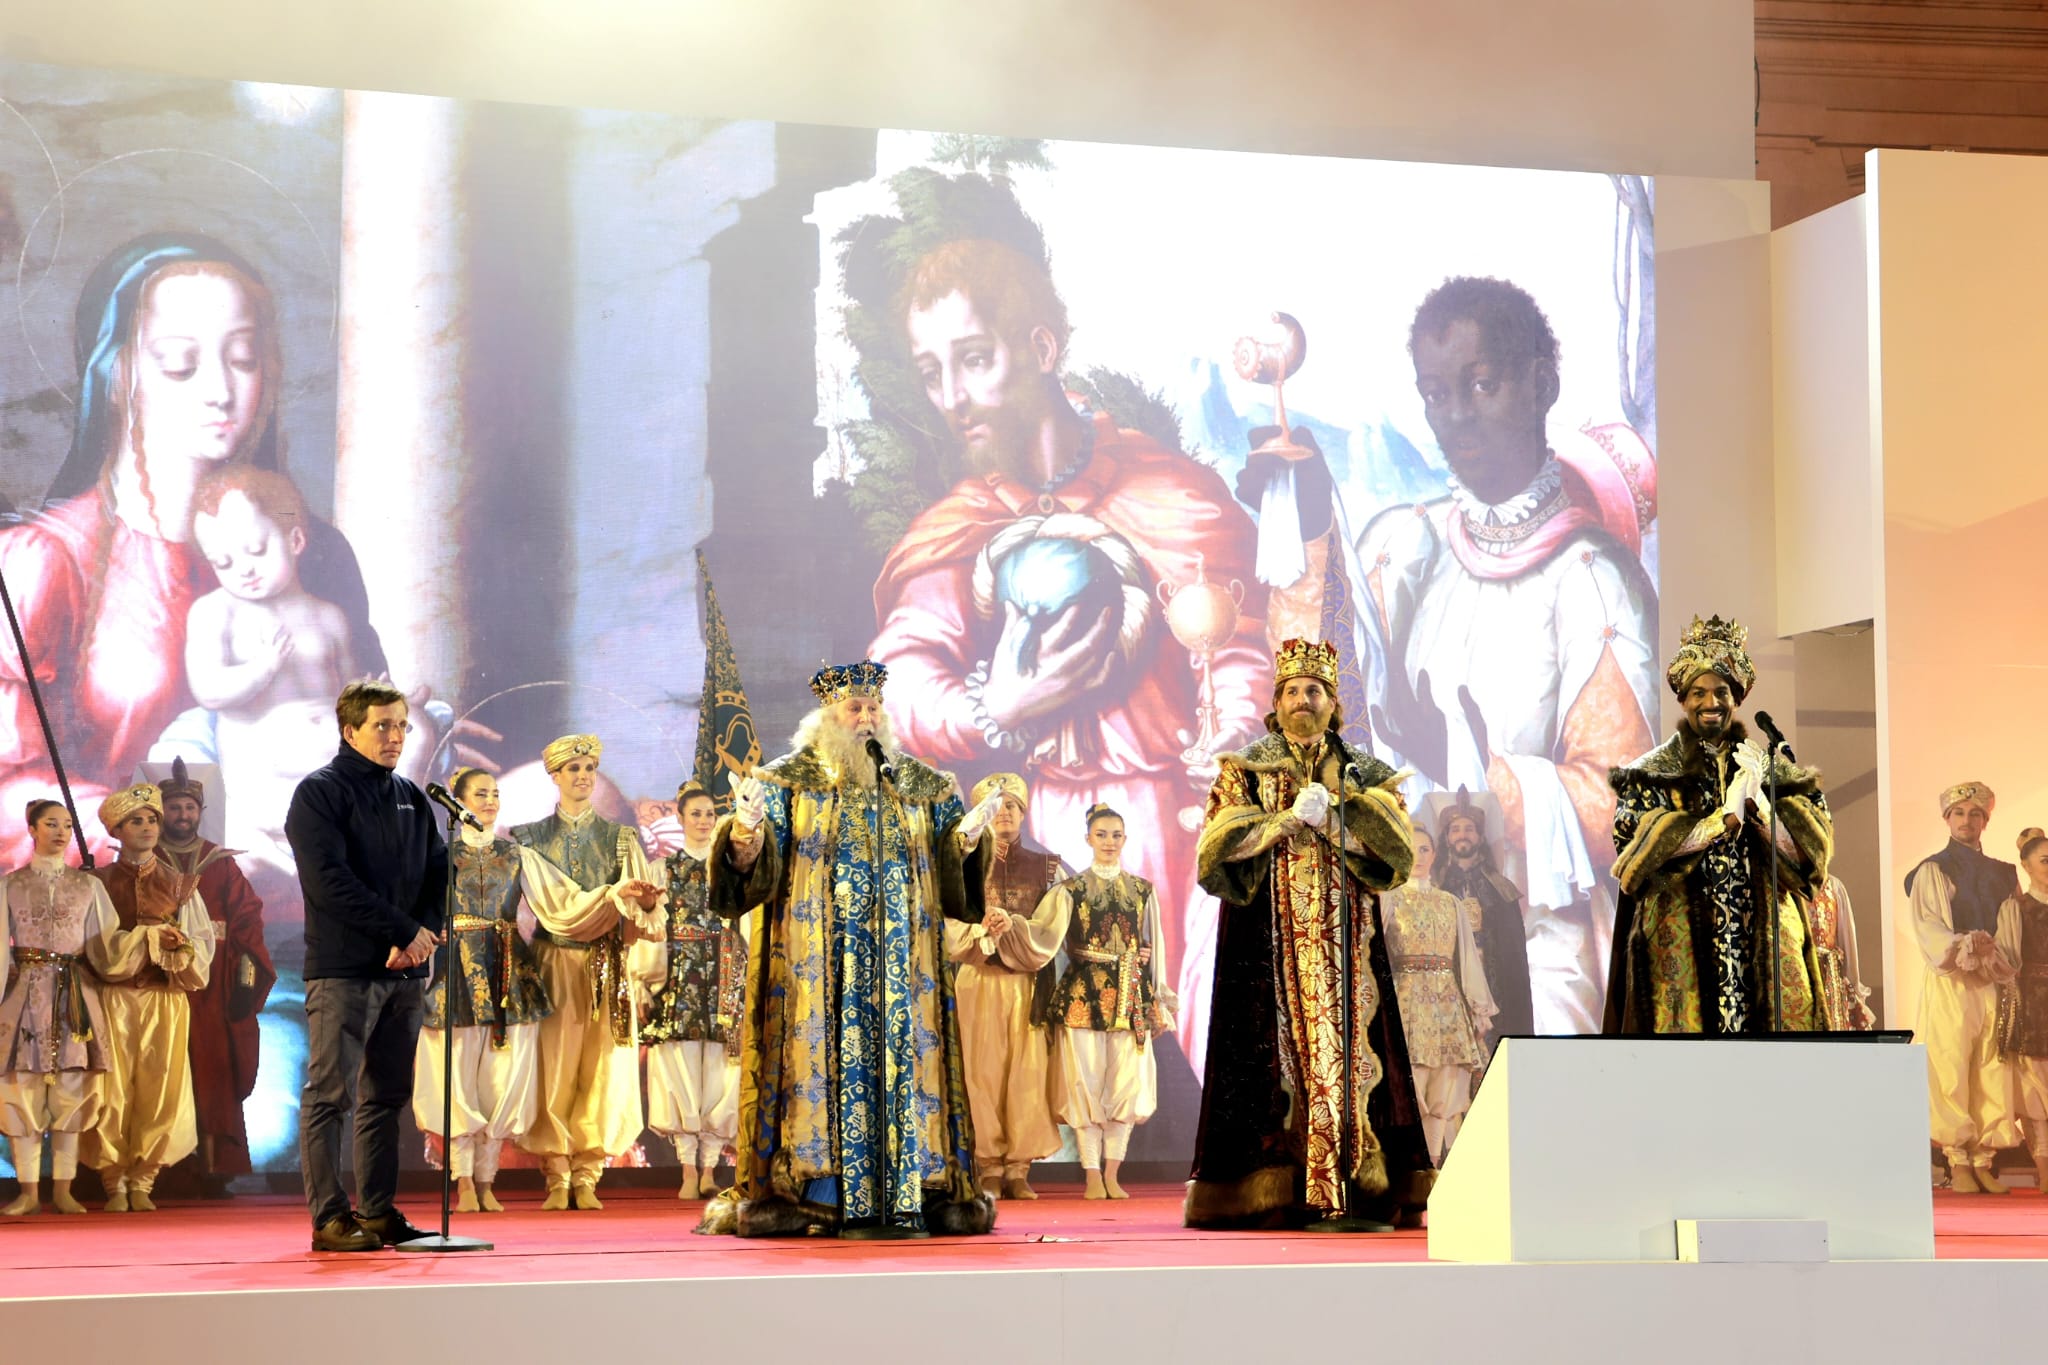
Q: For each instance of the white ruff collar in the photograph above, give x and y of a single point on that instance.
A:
(1509, 511)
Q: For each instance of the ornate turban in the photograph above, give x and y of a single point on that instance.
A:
(1951, 797)
(1009, 784)
(182, 783)
(836, 682)
(1712, 646)
(1464, 807)
(1306, 659)
(121, 804)
(557, 755)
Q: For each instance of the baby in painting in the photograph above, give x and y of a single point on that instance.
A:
(266, 656)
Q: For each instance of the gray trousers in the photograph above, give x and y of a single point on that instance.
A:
(359, 1052)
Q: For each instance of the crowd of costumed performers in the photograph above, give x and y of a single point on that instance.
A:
(869, 993)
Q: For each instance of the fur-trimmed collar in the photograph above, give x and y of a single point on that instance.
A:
(1682, 758)
(1273, 752)
(804, 771)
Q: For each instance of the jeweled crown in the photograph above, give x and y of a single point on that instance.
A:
(837, 682)
(1306, 659)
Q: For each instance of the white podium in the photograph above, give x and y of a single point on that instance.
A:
(1593, 1149)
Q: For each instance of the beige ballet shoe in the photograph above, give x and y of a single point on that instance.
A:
(60, 1198)
(116, 1203)
(488, 1201)
(558, 1198)
(1990, 1183)
(1017, 1187)
(27, 1202)
(465, 1196)
(585, 1197)
(1095, 1188)
(1115, 1190)
(692, 1186)
(707, 1182)
(1961, 1180)
(140, 1202)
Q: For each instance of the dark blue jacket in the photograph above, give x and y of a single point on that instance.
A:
(372, 865)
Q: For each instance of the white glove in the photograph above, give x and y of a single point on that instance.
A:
(749, 802)
(1312, 805)
(976, 820)
(1751, 758)
(1743, 790)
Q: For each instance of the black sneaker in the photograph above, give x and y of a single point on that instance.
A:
(391, 1228)
(344, 1233)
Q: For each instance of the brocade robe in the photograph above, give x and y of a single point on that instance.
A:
(1275, 1116)
(1692, 938)
(227, 1038)
(853, 1102)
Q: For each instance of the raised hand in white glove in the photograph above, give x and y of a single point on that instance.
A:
(1312, 805)
(1751, 758)
(1744, 789)
(749, 802)
(975, 821)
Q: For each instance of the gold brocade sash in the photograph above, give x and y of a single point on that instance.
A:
(1131, 1013)
(1421, 962)
(501, 970)
(70, 991)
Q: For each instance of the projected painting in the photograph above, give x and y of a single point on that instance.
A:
(1069, 435)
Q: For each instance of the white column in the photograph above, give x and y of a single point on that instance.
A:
(401, 467)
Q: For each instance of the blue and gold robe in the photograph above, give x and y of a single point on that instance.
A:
(853, 1103)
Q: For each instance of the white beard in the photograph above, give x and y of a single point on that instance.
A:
(843, 751)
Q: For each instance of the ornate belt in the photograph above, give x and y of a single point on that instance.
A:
(2035, 970)
(1094, 955)
(1422, 962)
(501, 969)
(692, 934)
(70, 1001)
(1131, 1012)
(563, 940)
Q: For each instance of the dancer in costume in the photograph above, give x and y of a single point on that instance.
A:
(696, 979)
(1302, 829)
(1445, 1004)
(66, 938)
(2023, 933)
(147, 1120)
(589, 1051)
(1844, 999)
(853, 1100)
(1004, 979)
(1467, 868)
(500, 1001)
(1693, 831)
(1111, 1001)
(1973, 1100)
(226, 1036)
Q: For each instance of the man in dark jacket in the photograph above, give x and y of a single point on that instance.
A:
(373, 869)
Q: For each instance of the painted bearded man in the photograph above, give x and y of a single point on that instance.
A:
(1303, 829)
(1693, 834)
(854, 1115)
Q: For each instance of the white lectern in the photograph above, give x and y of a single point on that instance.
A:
(1594, 1149)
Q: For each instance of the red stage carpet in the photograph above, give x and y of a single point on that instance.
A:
(260, 1243)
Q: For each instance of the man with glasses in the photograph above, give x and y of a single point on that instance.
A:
(373, 869)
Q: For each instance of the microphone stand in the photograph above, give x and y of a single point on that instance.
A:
(446, 1241)
(1777, 919)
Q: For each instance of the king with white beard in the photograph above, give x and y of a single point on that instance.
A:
(853, 1102)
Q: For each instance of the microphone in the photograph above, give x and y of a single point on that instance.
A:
(1777, 736)
(438, 794)
(882, 763)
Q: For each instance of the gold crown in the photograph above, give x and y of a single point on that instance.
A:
(1306, 659)
(1712, 646)
(836, 682)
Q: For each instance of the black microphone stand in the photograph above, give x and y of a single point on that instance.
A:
(1777, 919)
(446, 1241)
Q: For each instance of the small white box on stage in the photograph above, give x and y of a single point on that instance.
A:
(1740, 1240)
(1593, 1149)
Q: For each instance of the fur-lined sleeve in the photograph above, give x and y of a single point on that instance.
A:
(1647, 832)
(732, 892)
(961, 874)
(1234, 854)
(1805, 819)
(1379, 843)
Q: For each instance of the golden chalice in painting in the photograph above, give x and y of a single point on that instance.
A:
(1202, 616)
